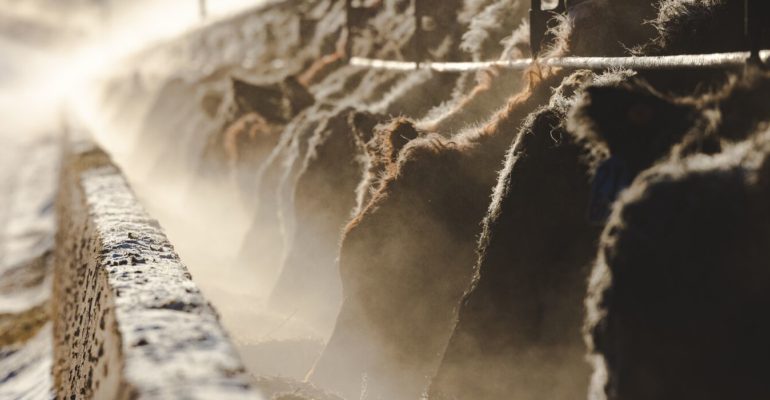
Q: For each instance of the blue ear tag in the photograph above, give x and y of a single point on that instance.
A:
(612, 176)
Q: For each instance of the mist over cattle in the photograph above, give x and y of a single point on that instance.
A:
(365, 233)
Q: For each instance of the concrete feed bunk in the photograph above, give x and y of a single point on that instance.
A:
(128, 321)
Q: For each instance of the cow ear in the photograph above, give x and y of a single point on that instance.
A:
(299, 96)
(211, 101)
(363, 123)
(238, 86)
(618, 115)
(240, 91)
(401, 132)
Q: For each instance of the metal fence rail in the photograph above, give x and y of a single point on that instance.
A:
(695, 61)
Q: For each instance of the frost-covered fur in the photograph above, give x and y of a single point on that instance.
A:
(406, 259)
(248, 139)
(714, 226)
(631, 122)
(274, 180)
(606, 27)
(518, 334)
(520, 322)
(324, 195)
(638, 124)
(260, 112)
(383, 150)
(698, 26)
(330, 155)
(419, 225)
(601, 27)
(695, 234)
(512, 314)
(489, 27)
(475, 104)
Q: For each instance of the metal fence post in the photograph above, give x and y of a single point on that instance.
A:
(419, 49)
(202, 9)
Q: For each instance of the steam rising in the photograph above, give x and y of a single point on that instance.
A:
(144, 107)
(46, 79)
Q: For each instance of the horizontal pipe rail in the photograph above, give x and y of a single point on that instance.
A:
(694, 61)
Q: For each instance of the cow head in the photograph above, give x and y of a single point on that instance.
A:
(277, 102)
(609, 27)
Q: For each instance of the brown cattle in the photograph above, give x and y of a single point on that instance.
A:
(387, 249)
(261, 112)
(275, 180)
(681, 232)
(521, 318)
(408, 257)
(679, 291)
(324, 195)
(322, 192)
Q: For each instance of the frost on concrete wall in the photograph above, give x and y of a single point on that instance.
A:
(128, 320)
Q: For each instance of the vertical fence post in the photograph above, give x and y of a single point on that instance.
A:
(756, 16)
(105, 13)
(202, 11)
(538, 23)
(419, 49)
(536, 26)
(349, 29)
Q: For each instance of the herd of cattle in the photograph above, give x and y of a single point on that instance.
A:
(504, 235)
